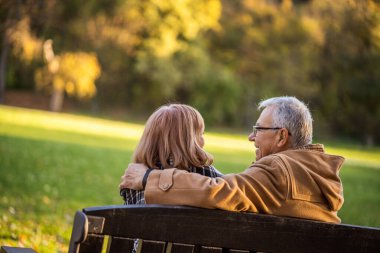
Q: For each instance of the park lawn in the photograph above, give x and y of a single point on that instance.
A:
(54, 164)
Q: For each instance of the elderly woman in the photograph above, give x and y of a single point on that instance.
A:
(172, 138)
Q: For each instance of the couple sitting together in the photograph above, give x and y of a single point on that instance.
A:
(290, 177)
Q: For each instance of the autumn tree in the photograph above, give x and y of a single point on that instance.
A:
(73, 73)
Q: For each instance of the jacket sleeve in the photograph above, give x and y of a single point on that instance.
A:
(260, 188)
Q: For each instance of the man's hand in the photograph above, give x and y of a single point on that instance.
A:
(133, 176)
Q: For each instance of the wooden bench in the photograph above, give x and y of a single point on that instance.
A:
(185, 229)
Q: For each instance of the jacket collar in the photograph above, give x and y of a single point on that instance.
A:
(314, 147)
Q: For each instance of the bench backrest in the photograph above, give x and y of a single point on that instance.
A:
(185, 229)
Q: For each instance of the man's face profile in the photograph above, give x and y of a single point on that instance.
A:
(265, 139)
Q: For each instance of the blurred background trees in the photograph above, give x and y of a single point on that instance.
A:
(220, 56)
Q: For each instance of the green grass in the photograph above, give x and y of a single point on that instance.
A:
(54, 164)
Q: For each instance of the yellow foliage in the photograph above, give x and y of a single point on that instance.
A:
(261, 7)
(245, 19)
(42, 78)
(313, 27)
(78, 72)
(167, 44)
(286, 5)
(58, 83)
(25, 44)
(183, 17)
(70, 87)
(375, 10)
(164, 24)
(76, 75)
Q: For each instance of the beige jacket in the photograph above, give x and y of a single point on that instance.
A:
(301, 183)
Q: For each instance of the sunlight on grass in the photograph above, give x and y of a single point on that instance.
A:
(237, 143)
(16, 119)
(366, 158)
(68, 122)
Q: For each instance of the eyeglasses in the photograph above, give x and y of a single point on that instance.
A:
(259, 128)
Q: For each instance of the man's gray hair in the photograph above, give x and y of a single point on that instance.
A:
(292, 114)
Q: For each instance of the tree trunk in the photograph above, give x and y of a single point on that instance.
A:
(56, 102)
(3, 64)
(369, 140)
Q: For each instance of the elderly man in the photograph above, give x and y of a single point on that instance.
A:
(291, 177)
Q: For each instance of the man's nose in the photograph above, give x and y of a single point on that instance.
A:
(251, 137)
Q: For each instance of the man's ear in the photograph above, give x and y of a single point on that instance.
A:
(283, 138)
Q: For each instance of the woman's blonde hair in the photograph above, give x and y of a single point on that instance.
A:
(172, 137)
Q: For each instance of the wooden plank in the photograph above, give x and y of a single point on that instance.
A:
(152, 246)
(182, 248)
(118, 244)
(243, 231)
